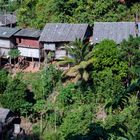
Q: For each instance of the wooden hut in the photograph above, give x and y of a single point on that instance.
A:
(7, 40)
(117, 31)
(28, 43)
(9, 20)
(8, 118)
(9, 123)
(55, 35)
(5, 115)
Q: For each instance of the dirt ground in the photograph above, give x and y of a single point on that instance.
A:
(26, 125)
(15, 68)
(31, 68)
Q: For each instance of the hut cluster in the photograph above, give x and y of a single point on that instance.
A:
(35, 45)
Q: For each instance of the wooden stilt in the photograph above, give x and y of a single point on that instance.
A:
(33, 62)
(10, 60)
(0, 61)
(0, 57)
(68, 66)
(25, 60)
(39, 62)
(39, 57)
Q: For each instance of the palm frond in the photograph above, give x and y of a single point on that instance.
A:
(85, 64)
(89, 55)
(85, 75)
(72, 71)
(81, 59)
(77, 78)
(66, 60)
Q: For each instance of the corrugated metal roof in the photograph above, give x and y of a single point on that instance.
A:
(63, 32)
(34, 33)
(7, 19)
(3, 114)
(4, 21)
(11, 17)
(7, 32)
(116, 31)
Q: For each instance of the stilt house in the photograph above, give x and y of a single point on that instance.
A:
(55, 35)
(28, 43)
(7, 40)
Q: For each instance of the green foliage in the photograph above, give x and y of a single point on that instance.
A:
(8, 5)
(76, 122)
(15, 97)
(31, 13)
(14, 53)
(79, 52)
(52, 136)
(3, 80)
(39, 106)
(109, 71)
(46, 81)
(109, 109)
(66, 94)
(130, 53)
(81, 60)
(105, 54)
(36, 132)
(127, 118)
(50, 79)
(106, 107)
(51, 76)
(26, 13)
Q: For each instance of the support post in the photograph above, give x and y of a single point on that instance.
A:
(0, 61)
(39, 62)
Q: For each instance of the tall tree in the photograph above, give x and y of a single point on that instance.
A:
(14, 53)
(108, 72)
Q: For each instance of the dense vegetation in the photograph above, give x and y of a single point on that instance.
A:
(9, 5)
(36, 13)
(97, 98)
